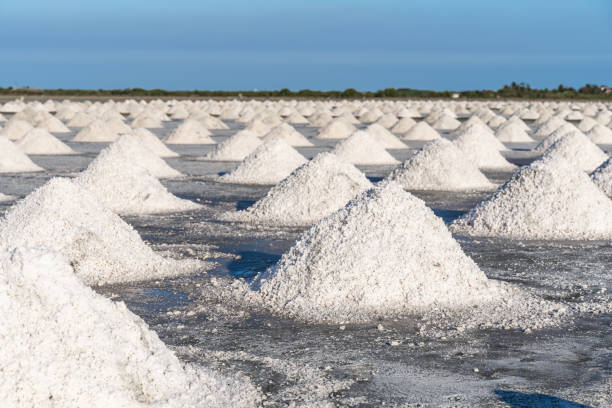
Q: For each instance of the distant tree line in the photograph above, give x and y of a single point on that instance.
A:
(514, 90)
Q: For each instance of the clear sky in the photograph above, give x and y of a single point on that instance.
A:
(315, 44)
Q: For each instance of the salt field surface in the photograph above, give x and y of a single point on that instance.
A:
(427, 360)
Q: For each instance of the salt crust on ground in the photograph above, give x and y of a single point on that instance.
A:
(268, 164)
(578, 149)
(235, 148)
(288, 134)
(314, 190)
(190, 132)
(40, 141)
(602, 177)
(127, 188)
(100, 246)
(483, 150)
(361, 148)
(13, 160)
(66, 346)
(96, 131)
(384, 254)
(440, 166)
(550, 200)
(148, 139)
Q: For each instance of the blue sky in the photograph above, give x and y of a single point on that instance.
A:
(316, 44)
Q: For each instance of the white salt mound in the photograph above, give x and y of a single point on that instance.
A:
(600, 134)
(268, 164)
(288, 134)
(554, 136)
(578, 149)
(127, 188)
(15, 129)
(384, 254)
(101, 247)
(403, 125)
(550, 199)
(440, 166)
(235, 148)
(602, 177)
(336, 129)
(421, 131)
(311, 192)
(387, 139)
(483, 150)
(40, 141)
(13, 160)
(152, 142)
(190, 131)
(66, 346)
(513, 133)
(361, 148)
(96, 131)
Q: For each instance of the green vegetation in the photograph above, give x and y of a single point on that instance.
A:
(514, 90)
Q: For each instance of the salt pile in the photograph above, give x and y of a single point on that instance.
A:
(146, 121)
(53, 124)
(268, 164)
(311, 192)
(102, 248)
(387, 139)
(361, 148)
(13, 160)
(288, 134)
(440, 166)
(446, 122)
(483, 150)
(421, 131)
(403, 125)
(387, 121)
(554, 136)
(336, 129)
(40, 141)
(80, 119)
(384, 254)
(236, 148)
(512, 132)
(66, 346)
(127, 188)
(190, 132)
(96, 131)
(578, 150)
(602, 177)
(549, 126)
(15, 129)
(550, 199)
(600, 134)
(258, 127)
(152, 142)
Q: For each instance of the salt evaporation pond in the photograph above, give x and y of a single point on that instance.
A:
(398, 363)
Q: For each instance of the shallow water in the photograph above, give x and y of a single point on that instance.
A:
(362, 365)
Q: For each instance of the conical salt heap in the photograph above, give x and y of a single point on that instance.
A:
(600, 134)
(96, 131)
(190, 132)
(602, 177)
(403, 125)
(421, 131)
(235, 148)
(152, 142)
(127, 188)
(483, 149)
(98, 243)
(387, 139)
(549, 126)
(310, 193)
(336, 129)
(40, 141)
(53, 124)
(288, 134)
(13, 160)
(64, 345)
(554, 136)
(586, 124)
(384, 254)
(512, 132)
(258, 127)
(549, 199)
(81, 119)
(145, 120)
(362, 149)
(296, 119)
(446, 122)
(578, 149)
(440, 166)
(387, 121)
(14, 129)
(268, 164)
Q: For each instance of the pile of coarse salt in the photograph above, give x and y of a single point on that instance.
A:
(600, 134)
(267, 164)
(512, 132)
(96, 131)
(483, 149)
(126, 187)
(336, 129)
(152, 142)
(64, 345)
(387, 139)
(384, 254)
(602, 177)
(15, 129)
(13, 160)
(362, 149)
(40, 141)
(578, 149)
(420, 131)
(554, 136)
(235, 148)
(190, 131)
(311, 192)
(288, 134)
(440, 166)
(549, 199)
(101, 247)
